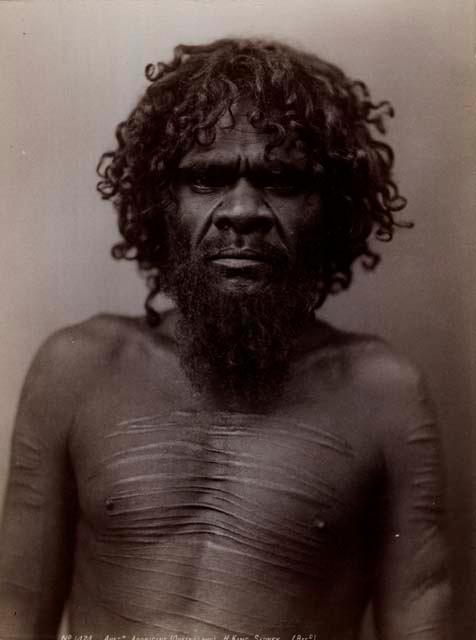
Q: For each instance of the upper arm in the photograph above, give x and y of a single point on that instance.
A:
(412, 593)
(37, 538)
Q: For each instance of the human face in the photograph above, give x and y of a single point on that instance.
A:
(245, 215)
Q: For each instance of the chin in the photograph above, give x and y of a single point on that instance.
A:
(241, 286)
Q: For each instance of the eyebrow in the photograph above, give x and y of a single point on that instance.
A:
(259, 165)
(202, 164)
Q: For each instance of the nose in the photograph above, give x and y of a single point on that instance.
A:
(244, 210)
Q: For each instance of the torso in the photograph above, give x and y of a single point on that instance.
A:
(201, 522)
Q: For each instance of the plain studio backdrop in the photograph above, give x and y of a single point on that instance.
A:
(71, 70)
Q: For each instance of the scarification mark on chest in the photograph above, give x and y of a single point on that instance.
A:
(237, 424)
(246, 480)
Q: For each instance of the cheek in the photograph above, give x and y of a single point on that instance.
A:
(194, 212)
(301, 218)
(312, 209)
(181, 225)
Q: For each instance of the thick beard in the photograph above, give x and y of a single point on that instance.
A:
(237, 345)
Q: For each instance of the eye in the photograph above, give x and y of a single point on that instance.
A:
(207, 181)
(283, 183)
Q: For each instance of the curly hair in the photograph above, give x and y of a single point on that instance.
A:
(291, 92)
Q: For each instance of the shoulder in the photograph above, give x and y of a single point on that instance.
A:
(360, 358)
(67, 365)
(395, 397)
(378, 380)
(80, 354)
(376, 366)
(73, 357)
(82, 345)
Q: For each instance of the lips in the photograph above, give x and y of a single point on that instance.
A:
(239, 255)
(233, 258)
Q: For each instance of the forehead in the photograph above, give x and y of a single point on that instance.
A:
(237, 139)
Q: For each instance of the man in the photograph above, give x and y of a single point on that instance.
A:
(236, 467)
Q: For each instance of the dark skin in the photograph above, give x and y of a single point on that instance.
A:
(187, 517)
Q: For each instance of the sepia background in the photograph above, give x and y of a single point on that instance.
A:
(71, 70)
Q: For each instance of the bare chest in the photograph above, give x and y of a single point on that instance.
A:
(237, 479)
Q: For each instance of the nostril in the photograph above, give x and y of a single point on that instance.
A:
(258, 224)
(264, 224)
(223, 224)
